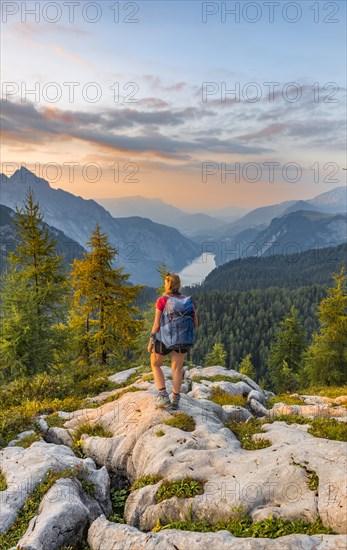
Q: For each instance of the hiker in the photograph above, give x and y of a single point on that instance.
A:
(158, 350)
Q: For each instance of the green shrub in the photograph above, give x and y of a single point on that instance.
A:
(3, 484)
(244, 527)
(326, 391)
(244, 432)
(86, 428)
(284, 398)
(221, 397)
(182, 488)
(290, 419)
(329, 428)
(54, 420)
(182, 421)
(160, 433)
(28, 440)
(118, 499)
(144, 481)
(312, 476)
(218, 378)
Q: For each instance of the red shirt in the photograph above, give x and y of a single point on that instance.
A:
(161, 302)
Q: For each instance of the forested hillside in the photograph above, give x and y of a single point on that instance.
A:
(245, 322)
(290, 271)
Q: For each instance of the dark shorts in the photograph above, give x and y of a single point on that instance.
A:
(163, 350)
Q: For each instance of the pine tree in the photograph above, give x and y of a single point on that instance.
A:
(102, 314)
(246, 366)
(216, 356)
(33, 291)
(286, 352)
(326, 357)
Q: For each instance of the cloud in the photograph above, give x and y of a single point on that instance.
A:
(122, 130)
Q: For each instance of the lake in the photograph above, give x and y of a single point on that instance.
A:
(196, 271)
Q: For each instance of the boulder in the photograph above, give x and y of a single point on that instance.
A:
(59, 436)
(24, 469)
(235, 413)
(62, 518)
(122, 376)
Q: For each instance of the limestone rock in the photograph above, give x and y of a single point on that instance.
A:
(24, 469)
(122, 376)
(236, 413)
(311, 411)
(59, 436)
(258, 479)
(104, 535)
(62, 518)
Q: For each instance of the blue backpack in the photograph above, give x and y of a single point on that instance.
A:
(176, 322)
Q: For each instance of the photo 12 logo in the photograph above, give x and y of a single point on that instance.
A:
(272, 12)
(70, 12)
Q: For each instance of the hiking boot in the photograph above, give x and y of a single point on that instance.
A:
(162, 401)
(175, 401)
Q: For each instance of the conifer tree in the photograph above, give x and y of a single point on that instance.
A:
(326, 357)
(286, 352)
(33, 292)
(246, 366)
(217, 356)
(102, 314)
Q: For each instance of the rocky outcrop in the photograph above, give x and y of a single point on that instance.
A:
(271, 481)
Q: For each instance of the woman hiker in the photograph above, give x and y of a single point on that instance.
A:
(158, 350)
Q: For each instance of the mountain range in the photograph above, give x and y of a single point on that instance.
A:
(142, 244)
(188, 223)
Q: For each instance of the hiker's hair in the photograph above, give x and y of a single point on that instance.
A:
(173, 281)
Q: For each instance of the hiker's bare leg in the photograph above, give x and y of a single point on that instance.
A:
(156, 363)
(177, 360)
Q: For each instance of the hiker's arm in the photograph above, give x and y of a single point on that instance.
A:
(196, 322)
(156, 323)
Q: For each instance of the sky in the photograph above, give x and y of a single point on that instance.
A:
(202, 104)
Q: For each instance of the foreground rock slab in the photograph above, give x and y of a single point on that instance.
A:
(104, 535)
(268, 481)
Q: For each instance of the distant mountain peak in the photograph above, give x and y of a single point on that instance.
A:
(24, 176)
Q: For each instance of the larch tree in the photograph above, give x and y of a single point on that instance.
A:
(217, 356)
(246, 366)
(286, 352)
(326, 357)
(103, 315)
(34, 288)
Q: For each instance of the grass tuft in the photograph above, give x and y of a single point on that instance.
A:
(3, 484)
(244, 432)
(144, 481)
(28, 440)
(182, 488)
(221, 397)
(328, 428)
(244, 527)
(88, 429)
(182, 421)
